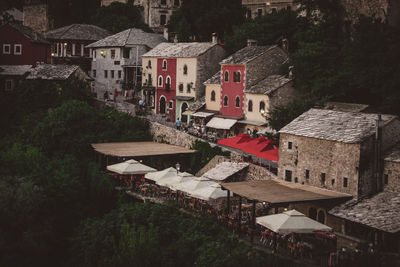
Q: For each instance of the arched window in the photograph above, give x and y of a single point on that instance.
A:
(168, 83)
(226, 76)
(237, 102)
(250, 106)
(238, 77)
(185, 69)
(312, 213)
(181, 87)
(213, 95)
(262, 106)
(149, 64)
(321, 216)
(160, 81)
(226, 101)
(164, 64)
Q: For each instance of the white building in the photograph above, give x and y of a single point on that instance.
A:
(117, 59)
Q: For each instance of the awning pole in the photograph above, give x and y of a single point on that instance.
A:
(253, 222)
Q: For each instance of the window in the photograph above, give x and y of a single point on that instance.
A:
(226, 76)
(176, 2)
(168, 83)
(119, 74)
(185, 70)
(180, 87)
(188, 87)
(237, 77)
(213, 95)
(163, 2)
(105, 74)
(289, 145)
(273, 10)
(163, 20)
(250, 106)
(160, 81)
(94, 73)
(333, 181)
(288, 175)
(262, 107)
(226, 101)
(117, 62)
(259, 12)
(296, 180)
(9, 85)
(94, 54)
(126, 52)
(237, 102)
(112, 74)
(345, 181)
(164, 64)
(171, 104)
(17, 49)
(6, 49)
(321, 216)
(323, 178)
(112, 54)
(149, 64)
(385, 179)
(307, 174)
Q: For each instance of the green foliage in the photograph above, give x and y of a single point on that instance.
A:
(201, 18)
(204, 155)
(118, 17)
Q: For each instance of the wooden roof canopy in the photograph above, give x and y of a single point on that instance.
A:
(139, 149)
(281, 192)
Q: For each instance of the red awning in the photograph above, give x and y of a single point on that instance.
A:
(260, 147)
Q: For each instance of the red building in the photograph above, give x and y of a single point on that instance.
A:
(166, 87)
(20, 45)
(232, 84)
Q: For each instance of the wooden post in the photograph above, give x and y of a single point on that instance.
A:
(229, 202)
(240, 213)
(253, 222)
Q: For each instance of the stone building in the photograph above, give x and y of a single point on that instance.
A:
(156, 13)
(117, 59)
(258, 8)
(180, 69)
(69, 43)
(36, 15)
(11, 75)
(335, 150)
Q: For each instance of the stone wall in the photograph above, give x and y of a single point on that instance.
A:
(336, 160)
(258, 173)
(211, 164)
(282, 96)
(36, 17)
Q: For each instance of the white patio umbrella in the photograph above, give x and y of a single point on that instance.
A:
(173, 182)
(194, 184)
(291, 222)
(210, 192)
(155, 176)
(130, 167)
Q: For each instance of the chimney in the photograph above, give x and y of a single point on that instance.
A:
(165, 33)
(214, 38)
(378, 155)
(176, 38)
(251, 42)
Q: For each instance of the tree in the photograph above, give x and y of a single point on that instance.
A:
(118, 17)
(199, 19)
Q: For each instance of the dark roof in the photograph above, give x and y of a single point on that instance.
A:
(381, 211)
(35, 37)
(130, 37)
(15, 70)
(215, 79)
(346, 127)
(247, 54)
(52, 72)
(198, 104)
(175, 50)
(84, 32)
(393, 155)
(268, 85)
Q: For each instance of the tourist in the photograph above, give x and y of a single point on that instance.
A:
(178, 124)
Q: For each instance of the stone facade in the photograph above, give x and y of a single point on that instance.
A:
(391, 171)
(256, 8)
(36, 16)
